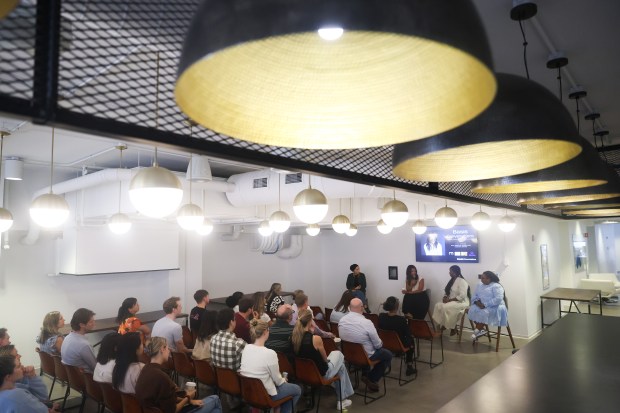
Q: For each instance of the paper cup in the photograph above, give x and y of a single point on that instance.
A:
(190, 386)
(337, 340)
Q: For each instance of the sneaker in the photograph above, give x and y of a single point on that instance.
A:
(345, 403)
(410, 371)
(477, 334)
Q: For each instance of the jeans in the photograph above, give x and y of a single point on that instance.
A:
(385, 359)
(361, 295)
(335, 363)
(287, 389)
(211, 404)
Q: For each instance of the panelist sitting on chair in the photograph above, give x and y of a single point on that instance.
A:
(454, 301)
(487, 304)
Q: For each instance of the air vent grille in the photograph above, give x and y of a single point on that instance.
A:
(260, 183)
(293, 178)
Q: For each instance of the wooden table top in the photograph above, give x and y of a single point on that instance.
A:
(572, 367)
(106, 324)
(575, 294)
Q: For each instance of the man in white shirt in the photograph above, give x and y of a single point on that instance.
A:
(76, 350)
(355, 328)
(168, 328)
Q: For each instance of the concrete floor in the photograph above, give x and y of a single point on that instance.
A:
(464, 364)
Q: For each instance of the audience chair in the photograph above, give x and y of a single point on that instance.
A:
(228, 381)
(420, 330)
(188, 338)
(61, 376)
(356, 357)
(47, 368)
(334, 329)
(310, 376)
(322, 324)
(286, 366)
(111, 398)
(329, 344)
(205, 373)
(93, 390)
(253, 393)
(130, 403)
(497, 335)
(183, 365)
(76, 382)
(328, 313)
(317, 310)
(373, 317)
(392, 342)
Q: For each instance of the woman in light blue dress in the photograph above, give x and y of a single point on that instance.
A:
(487, 304)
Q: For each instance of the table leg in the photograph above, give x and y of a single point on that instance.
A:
(542, 315)
(600, 302)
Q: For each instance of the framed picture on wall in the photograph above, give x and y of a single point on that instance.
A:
(393, 272)
(544, 263)
(580, 253)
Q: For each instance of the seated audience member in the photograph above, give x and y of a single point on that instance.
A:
(303, 303)
(14, 398)
(280, 332)
(127, 320)
(454, 301)
(168, 328)
(127, 367)
(356, 283)
(394, 322)
(354, 327)
(342, 307)
(195, 316)
(258, 307)
(487, 304)
(232, 301)
(225, 347)
(309, 346)
(30, 381)
(106, 358)
(208, 327)
(274, 300)
(294, 306)
(50, 340)
(5, 338)
(415, 300)
(242, 327)
(75, 349)
(260, 362)
(155, 389)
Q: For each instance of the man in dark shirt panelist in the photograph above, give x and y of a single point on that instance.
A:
(280, 332)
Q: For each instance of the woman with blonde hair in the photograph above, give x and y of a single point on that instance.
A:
(309, 346)
(50, 340)
(262, 363)
(155, 389)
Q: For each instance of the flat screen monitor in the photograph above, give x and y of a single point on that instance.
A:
(457, 244)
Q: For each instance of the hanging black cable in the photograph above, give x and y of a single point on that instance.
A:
(523, 10)
(557, 60)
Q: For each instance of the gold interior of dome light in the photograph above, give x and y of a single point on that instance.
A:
(365, 89)
(542, 186)
(576, 207)
(487, 160)
(6, 6)
(568, 198)
(595, 212)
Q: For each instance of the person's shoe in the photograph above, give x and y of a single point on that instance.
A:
(367, 310)
(452, 331)
(477, 334)
(345, 403)
(370, 385)
(410, 371)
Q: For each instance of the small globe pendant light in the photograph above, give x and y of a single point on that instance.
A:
(419, 227)
(384, 228)
(446, 217)
(310, 205)
(395, 213)
(341, 223)
(313, 230)
(481, 220)
(120, 223)
(279, 221)
(506, 224)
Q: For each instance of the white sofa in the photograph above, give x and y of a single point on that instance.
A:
(606, 276)
(606, 287)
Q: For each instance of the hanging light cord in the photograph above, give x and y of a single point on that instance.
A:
(191, 132)
(52, 163)
(1, 149)
(527, 72)
(279, 204)
(560, 82)
(577, 110)
(120, 183)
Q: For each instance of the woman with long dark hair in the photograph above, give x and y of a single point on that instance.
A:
(455, 300)
(208, 328)
(415, 301)
(342, 307)
(488, 305)
(127, 367)
(106, 358)
(127, 320)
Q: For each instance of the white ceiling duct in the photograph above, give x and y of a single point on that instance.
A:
(293, 250)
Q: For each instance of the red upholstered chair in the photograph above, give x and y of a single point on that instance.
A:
(356, 357)
(183, 365)
(329, 344)
(310, 376)
(328, 313)
(286, 366)
(373, 317)
(93, 390)
(255, 395)
(111, 398)
(228, 381)
(76, 382)
(47, 368)
(392, 342)
(130, 403)
(62, 377)
(205, 373)
(420, 330)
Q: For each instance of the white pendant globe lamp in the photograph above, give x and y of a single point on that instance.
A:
(119, 223)
(481, 220)
(206, 226)
(313, 230)
(419, 227)
(383, 228)
(279, 221)
(50, 210)
(446, 217)
(506, 224)
(264, 228)
(341, 223)
(6, 218)
(395, 213)
(352, 231)
(190, 216)
(310, 205)
(155, 191)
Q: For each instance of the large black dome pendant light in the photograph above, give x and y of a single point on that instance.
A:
(525, 129)
(583, 171)
(605, 203)
(334, 74)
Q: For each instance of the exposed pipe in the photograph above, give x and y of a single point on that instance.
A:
(293, 250)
